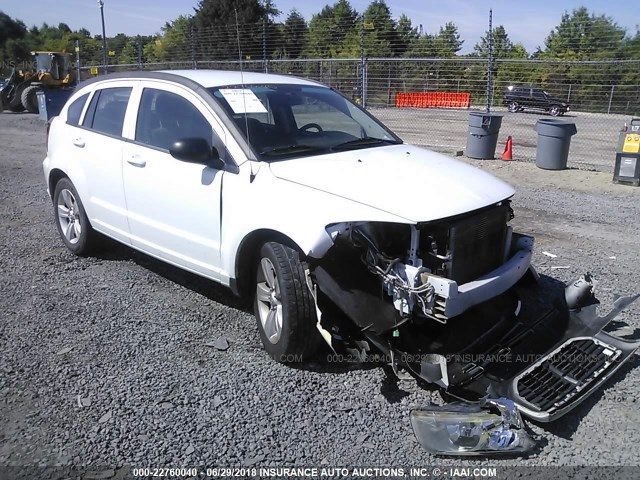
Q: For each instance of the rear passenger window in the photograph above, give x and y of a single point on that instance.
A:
(164, 117)
(106, 110)
(75, 109)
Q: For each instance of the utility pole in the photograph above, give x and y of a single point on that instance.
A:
(362, 79)
(139, 45)
(77, 62)
(192, 44)
(264, 44)
(490, 62)
(104, 38)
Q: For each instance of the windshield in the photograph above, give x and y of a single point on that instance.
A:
(285, 121)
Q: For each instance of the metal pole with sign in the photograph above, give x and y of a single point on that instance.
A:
(77, 62)
(104, 39)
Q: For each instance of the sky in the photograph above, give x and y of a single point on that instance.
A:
(527, 22)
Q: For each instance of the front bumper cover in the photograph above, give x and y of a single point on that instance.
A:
(548, 366)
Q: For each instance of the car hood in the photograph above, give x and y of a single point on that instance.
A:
(407, 181)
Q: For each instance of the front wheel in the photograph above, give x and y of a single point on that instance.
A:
(284, 307)
(514, 107)
(555, 110)
(29, 98)
(71, 219)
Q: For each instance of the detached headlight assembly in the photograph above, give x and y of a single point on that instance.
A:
(461, 429)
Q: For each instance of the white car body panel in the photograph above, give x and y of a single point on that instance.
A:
(437, 187)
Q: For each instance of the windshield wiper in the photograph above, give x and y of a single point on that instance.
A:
(290, 149)
(362, 142)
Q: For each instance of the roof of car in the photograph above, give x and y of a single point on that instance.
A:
(205, 78)
(218, 78)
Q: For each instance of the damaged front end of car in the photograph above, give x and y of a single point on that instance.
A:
(440, 299)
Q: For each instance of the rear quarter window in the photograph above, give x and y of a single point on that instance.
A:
(107, 109)
(75, 109)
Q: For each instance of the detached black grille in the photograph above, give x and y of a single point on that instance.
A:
(477, 244)
(562, 376)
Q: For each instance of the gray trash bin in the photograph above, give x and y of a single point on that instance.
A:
(483, 134)
(554, 138)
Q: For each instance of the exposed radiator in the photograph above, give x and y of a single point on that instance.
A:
(476, 244)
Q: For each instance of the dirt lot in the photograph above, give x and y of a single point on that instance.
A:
(593, 147)
(104, 359)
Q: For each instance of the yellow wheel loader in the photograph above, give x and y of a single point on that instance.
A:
(53, 71)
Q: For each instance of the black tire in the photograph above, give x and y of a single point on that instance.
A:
(298, 337)
(29, 98)
(16, 108)
(555, 110)
(82, 240)
(15, 101)
(514, 107)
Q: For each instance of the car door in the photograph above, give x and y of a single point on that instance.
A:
(98, 145)
(173, 206)
(539, 98)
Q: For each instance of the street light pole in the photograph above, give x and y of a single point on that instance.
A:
(104, 37)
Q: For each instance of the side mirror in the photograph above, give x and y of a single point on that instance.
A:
(196, 150)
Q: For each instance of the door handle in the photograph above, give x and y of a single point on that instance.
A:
(136, 161)
(78, 142)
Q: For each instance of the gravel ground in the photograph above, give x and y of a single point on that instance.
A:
(104, 361)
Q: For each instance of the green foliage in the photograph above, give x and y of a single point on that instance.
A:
(328, 30)
(218, 19)
(291, 34)
(585, 36)
(447, 42)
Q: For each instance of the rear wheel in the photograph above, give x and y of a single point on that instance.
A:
(284, 307)
(514, 107)
(71, 219)
(29, 98)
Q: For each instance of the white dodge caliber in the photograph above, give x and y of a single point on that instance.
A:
(284, 190)
(294, 197)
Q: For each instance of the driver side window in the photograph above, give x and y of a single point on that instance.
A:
(165, 117)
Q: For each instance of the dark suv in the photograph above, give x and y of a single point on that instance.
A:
(521, 97)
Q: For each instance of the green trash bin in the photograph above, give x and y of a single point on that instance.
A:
(554, 139)
(483, 135)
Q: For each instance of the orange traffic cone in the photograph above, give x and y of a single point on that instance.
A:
(508, 149)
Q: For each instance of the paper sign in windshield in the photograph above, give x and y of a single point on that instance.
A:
(242, 100)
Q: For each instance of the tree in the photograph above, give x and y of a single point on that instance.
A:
(407, 33)
(328, 29)
(447, 42)
(585, 36)
(173, 44)
(503, 47)
(215, 22)
(293, 33)
(381, 32)
(13, 42)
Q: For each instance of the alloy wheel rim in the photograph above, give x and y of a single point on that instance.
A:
(69, 216)
(269, 301)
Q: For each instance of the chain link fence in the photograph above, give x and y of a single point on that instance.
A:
(603, 94)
